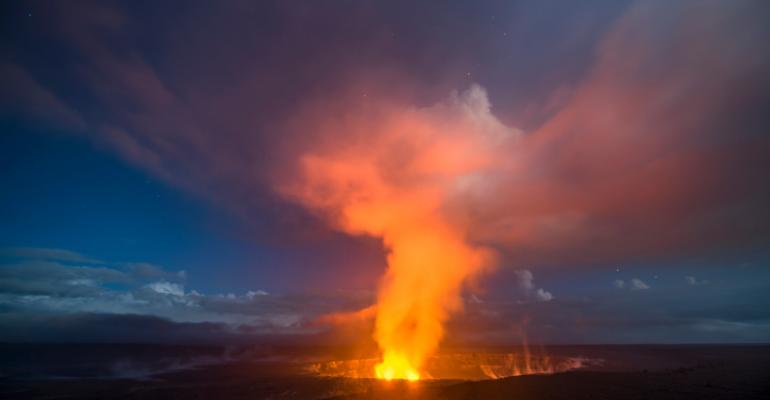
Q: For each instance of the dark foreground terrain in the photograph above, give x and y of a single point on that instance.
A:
(163, 372)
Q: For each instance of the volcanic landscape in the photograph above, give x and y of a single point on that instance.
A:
(570, 372)
(385, 199)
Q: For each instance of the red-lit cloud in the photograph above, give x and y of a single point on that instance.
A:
(657, 148)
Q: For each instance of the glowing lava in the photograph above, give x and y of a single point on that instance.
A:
(396, 366)
(463, 365)
(426, 267)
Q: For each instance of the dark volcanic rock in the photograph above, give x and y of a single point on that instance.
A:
(684, 372)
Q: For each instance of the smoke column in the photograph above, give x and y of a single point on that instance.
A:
(389, 172)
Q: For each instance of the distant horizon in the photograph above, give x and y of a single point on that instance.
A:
(447, 346)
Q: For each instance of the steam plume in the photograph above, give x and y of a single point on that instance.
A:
(390, 172)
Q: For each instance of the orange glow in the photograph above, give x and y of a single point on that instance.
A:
(426, 268)
(391, 175)
(395, 366)
(459, 365)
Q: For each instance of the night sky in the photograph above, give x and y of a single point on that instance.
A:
(146, 147)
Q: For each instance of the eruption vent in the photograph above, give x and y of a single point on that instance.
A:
(392, 173)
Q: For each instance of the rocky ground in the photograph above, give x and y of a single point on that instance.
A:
(660, 373)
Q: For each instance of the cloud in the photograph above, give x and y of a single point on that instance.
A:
(23, 93)
(36, 290)
(252, 293)
(647, 99)
(633, 284)
(638, 284)
(671, 315)
(542, 295)
(692, 281)
(526, 281)
(173, 289)
(52, 278)
(164, 311)
(632, 120)
(37, 253)
(57, 272)
(100, 327)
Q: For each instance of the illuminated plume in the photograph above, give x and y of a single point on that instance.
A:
(390, 173)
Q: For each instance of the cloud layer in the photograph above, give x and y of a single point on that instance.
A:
(40, 287)
(653, 148)
(44, 297)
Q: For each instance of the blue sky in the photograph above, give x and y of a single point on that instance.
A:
(73, 195)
